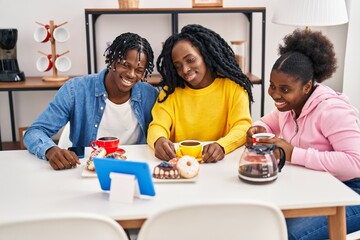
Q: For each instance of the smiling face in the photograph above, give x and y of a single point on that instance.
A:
(288, 92)
(118, 83)
(190, 65)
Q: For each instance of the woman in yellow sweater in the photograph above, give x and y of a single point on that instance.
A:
(205, 96)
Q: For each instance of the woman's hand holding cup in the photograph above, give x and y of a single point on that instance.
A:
(164, 149)
(257, 137)
(191, 148)
(251, 131)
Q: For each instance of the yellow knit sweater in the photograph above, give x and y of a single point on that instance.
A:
(219, 112)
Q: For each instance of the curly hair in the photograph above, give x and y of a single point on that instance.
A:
(125, 42)
(218, 56)
(307, 55)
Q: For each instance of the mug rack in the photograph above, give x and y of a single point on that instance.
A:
(55, 77)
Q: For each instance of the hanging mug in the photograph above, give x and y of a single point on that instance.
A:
(63, 63)
(44, 64)
(61, 34)
(42, 34)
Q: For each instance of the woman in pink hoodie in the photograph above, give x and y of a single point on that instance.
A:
(317, 127)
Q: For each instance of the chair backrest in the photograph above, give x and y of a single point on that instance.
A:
(72, 226)
(64, 141)
(22, 131)
(353, 236)
(241, 220)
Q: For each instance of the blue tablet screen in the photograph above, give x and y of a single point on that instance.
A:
(104, 166)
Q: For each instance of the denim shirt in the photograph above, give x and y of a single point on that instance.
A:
(81, 101)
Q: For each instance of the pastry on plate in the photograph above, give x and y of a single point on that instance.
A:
(166, 171)
(188, 167)
(101, 153)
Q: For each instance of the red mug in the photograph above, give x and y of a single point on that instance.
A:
(109, 143)
(257, 136)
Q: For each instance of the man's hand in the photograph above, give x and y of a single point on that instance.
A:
(60, 159)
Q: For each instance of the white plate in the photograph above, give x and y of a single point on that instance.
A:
(91, 174)
(179, 180)
(87, 173)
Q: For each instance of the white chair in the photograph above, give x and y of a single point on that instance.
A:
(64, 141)
(242, 220)
(72, 226)
(353, 236)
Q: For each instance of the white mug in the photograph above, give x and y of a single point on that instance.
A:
(63, 63)
(42, 34)
(61, 34)
(44, 64)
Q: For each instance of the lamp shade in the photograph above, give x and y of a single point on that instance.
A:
(310, 12)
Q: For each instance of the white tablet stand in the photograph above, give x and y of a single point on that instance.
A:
(123, 188)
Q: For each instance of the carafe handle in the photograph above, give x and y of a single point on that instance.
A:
(282, 158)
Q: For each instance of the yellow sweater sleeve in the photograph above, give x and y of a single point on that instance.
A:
(239, 121)
(160, 126)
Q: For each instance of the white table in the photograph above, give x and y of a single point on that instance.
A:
(29, 186)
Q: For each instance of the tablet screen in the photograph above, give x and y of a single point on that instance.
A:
(104, 166)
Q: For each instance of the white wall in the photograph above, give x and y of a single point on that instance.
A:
(23, 14)
(352, 69)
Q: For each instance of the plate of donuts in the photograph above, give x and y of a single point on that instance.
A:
(92, 174)
(177, 180)
(184, 169)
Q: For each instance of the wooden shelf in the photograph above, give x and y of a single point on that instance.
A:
(30, 83)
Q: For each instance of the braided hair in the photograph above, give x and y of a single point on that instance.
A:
(217, 54)
(122, 44)
(307, 56)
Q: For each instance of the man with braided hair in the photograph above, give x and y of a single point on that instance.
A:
(205, 95)
(113, 102)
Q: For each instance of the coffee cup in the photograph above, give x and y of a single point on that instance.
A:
(257, 136)
(61, 34)
(110, 144)
(44, 64)
(191, 148)
(63, 63)
(42, 34)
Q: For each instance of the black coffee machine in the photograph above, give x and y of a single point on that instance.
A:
(9, 68)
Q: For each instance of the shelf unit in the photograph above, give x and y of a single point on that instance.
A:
(91, 15)
(29, 84)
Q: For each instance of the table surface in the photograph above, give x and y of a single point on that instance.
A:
(29, 186)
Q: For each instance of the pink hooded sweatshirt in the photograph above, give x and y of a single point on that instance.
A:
(326, 135)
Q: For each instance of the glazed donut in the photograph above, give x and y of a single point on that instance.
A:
(188, 167)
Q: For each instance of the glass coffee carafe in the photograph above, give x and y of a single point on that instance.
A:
(258, 163)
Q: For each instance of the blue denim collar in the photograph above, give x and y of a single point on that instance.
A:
(100, 89)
